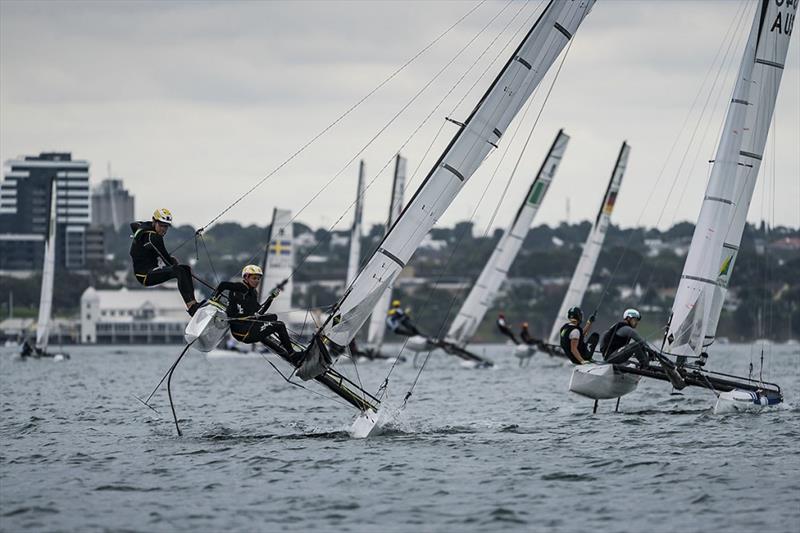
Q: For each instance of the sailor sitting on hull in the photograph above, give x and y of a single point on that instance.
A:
(502, 325)
(619, 335)
(399, 322)
(250, 322)
(572, 334)
(148, 248)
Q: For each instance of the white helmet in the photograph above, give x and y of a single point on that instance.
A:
(632, 313)
(163, 215)
(252, 269)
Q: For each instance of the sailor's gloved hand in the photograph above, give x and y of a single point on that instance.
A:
(592, 317)
(274, 293)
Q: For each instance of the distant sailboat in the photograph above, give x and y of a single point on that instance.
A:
(48, 279)
(715, 243)
(484, 291)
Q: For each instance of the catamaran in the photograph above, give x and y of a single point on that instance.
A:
(692, 325)
(476, 136)
(484, 291)
(586, 264)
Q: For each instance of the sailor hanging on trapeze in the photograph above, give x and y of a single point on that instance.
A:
(147, 249)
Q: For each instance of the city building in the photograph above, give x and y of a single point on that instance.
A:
(25, 210)
(112, 204)
(147, 316)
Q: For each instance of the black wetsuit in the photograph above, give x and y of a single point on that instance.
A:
(146, 249)
(256, 325)
(616, 338)
(584, 348)
(525, 335)
(505, 330)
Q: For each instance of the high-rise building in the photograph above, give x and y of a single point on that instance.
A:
(112, 204)
(25, 210)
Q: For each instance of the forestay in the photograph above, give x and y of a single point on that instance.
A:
(592, 246)
(484, 291)
(480, 132)
(377, 321)
(718, 233)
(48, 275)
(355, 231)
(278, 263)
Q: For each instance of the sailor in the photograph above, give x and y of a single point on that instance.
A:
(619, 335)
(572, 334)
(525, 335)
(399, 322)
(504, 329)
(147, 249)
(250, 322)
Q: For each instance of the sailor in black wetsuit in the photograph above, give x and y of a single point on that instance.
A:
(399, 322)
(504, 329)
(572, 334)
(618, 336)
(254, 324)
(148, 248)
(525, 335)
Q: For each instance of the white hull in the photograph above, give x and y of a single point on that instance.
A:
(365, 425)
(232, 354)
(739, 401)
(523, 351)
(207, 328)
(601, 382)
(418, 343)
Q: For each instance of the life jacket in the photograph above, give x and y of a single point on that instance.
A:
(564, 334)
(395, 317)
(612, 342)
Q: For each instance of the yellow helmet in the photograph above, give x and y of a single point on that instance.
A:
(252, 269)
(396, 303)
(163, 215)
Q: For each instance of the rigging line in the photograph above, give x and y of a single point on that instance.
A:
(530, 134)
(389, 123)
(210, 262)
(734, 24)
(340, 117)
(408, 139)
(500, 54)
(301, 386)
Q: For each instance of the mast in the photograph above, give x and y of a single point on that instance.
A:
(479, 133)
(593, 245)
(48, 275)
(720, 224)
(484, 291)
(278, 263)
(355, 232)
(377, 321)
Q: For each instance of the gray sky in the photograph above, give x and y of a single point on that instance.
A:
(194, 102)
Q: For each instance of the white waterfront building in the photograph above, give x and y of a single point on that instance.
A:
(123, 316)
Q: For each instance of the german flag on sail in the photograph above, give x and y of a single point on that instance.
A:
(609, 205)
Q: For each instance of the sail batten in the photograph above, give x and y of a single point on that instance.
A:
(594, 243)
(494, 272)
(715, 243)
(464, 154)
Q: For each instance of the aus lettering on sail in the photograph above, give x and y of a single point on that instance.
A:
(784, 20)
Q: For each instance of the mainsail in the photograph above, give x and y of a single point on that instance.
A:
(593, 245)
(377, 321)
(278, 263)
(483, 293)
(48, 275)
(355, 232)
(479, 133)
(718, 233)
